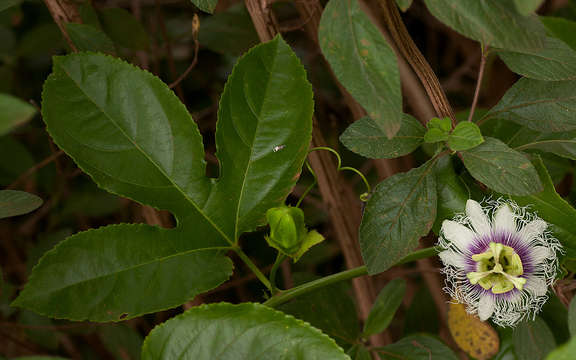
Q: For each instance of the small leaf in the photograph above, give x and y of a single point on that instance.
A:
(466, 135)
(14, 203)
(89, 38)
(501, 168)
(527, 7)
(533, 340)
(404, 5)
(124, 29)
(136, 269)
(572, 317)
(240, 332)
(564, 352)
(435, 135)
(205, 5)
(364, 137)
(494, 23)
(417, 347)
(443, 124)
(475, 337)
(553, 208)
(385, 307)
(540, 105)
(363, 62)
(554, 62)
(13, 112)
(401, 209)
(561, 28)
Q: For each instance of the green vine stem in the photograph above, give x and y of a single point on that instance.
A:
(279, 258)
(253, 267)
(287, 295)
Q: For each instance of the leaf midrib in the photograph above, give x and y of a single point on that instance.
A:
(159, 168)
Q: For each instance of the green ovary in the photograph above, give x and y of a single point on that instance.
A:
(498, 268)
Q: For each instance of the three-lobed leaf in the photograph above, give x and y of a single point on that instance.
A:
(494, 23)
(364, 137)
(239, 332)
(401, 209)
(363, 62)
(131, 134)
(501, 168)
(14, 203)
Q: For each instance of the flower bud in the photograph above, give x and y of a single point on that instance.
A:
(287, 228)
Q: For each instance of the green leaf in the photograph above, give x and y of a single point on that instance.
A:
(229, 32)
(435, 135)
(262, 136)
(527, 7)
(123, 28)
(553, 208)
(452, 192)
(364, 137)
(417, 347)
(466, 135)
(363, 62)
(244, 331)
(494, 23)
(443, 124)
(554, 62)
(540, 105)
(562, 144)
(13, 112)
(561, 28)
(131, 134)
(564, 352)
(87, 37)
(359, 352)
(14, 203)
(533, 340)
(205, 5)
(385, 307)
(404, 5)
(572, 317)
(121, 340)
(330, 309)
(401, 209)
(501, 168)
(120, 272)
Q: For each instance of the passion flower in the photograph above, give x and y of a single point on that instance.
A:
(499, 260)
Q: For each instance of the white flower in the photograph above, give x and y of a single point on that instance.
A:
(498, 260)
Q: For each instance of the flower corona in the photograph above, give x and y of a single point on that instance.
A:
(499, 259)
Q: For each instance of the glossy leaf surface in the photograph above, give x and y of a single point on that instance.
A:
(547, 106)
(120, 272)
(364, 137)
(502, 168)
(494, 23)
(238, 332)
(363, 62)
(401, 209)
(14, 203)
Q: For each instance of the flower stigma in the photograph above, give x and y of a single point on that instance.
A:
(499, 269)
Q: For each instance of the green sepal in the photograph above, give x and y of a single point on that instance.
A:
(312, 238)
(466, 135)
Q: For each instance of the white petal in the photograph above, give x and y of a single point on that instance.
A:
(453, 258)
(458, 234)
(504, 219)
(536, 285)
(533, 229)
(538, 254)
(486, 307)
(478, 218)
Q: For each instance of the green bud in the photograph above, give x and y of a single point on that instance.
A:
(287, 228)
